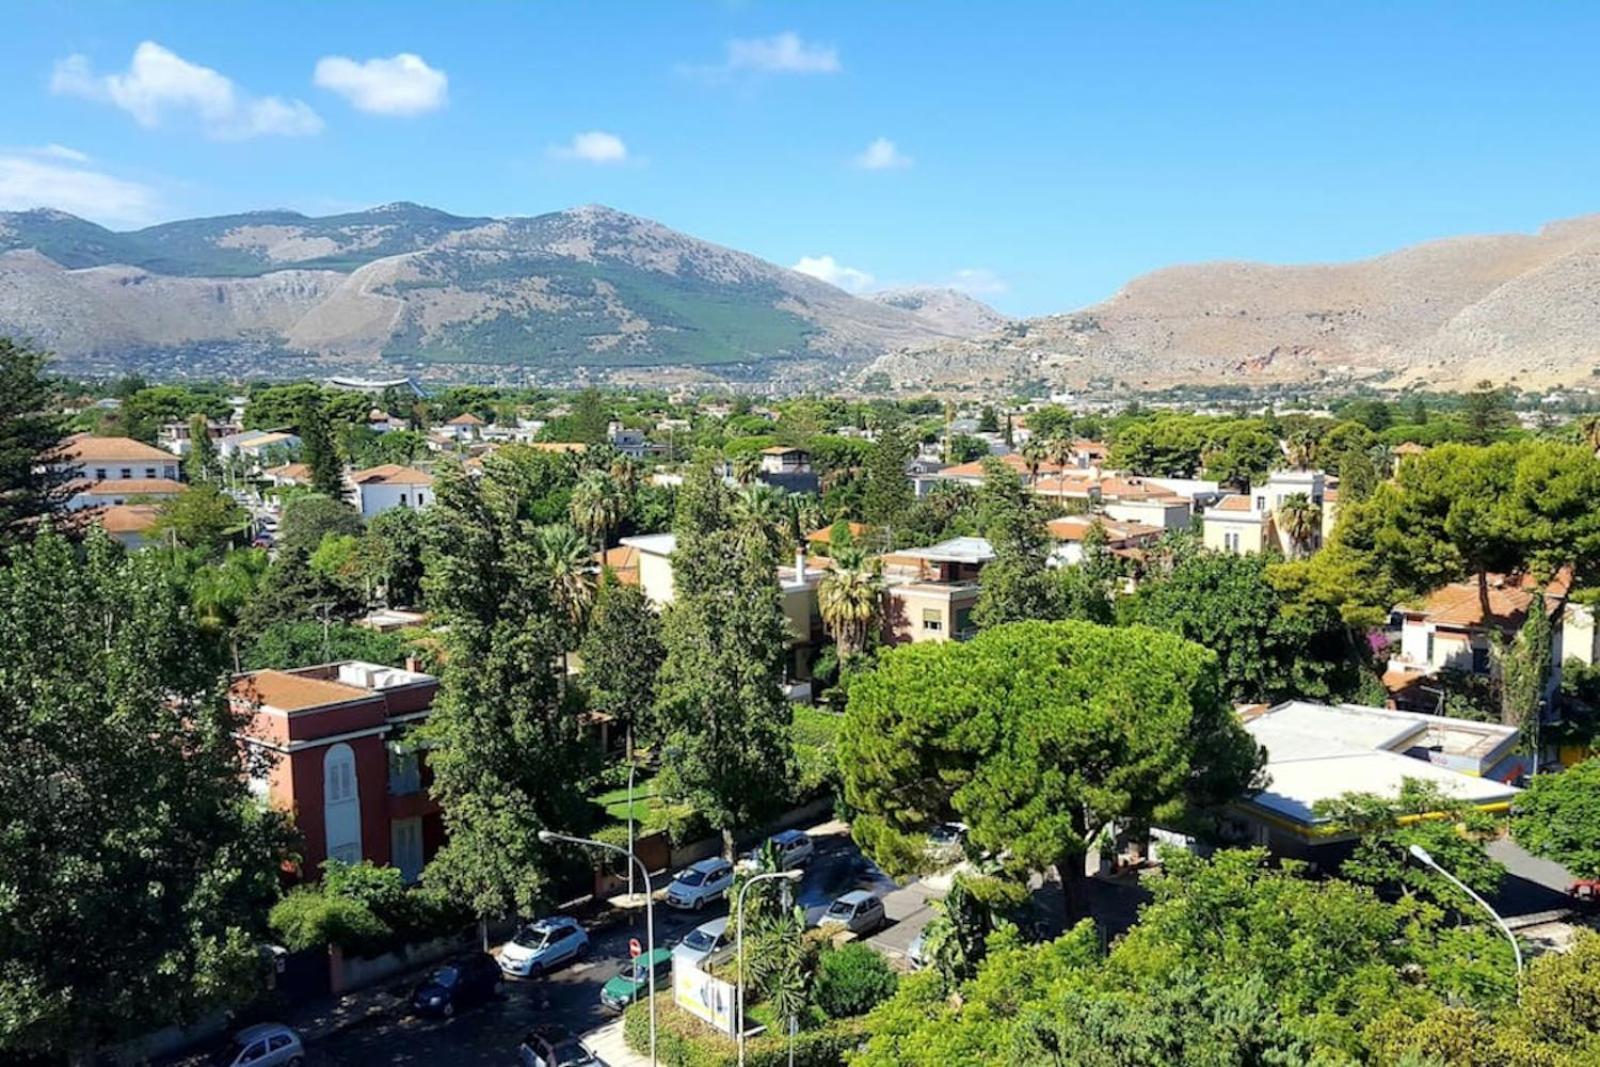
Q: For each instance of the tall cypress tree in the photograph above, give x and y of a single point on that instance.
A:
(719, 695)
(200, 465)
(28, 430)
(317, 449)
(888, 493)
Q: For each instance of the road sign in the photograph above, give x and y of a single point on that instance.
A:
(635, 950)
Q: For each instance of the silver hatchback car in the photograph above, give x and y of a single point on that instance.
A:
(859, 911)
(262, 1045)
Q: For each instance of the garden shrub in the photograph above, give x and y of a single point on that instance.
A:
(852, 981)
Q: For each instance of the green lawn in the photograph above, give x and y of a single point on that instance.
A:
(615, 801)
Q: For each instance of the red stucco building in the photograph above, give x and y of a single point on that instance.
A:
(333, 745)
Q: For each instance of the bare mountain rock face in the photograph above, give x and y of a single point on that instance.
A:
(570, 292)
(946, 310)
(1517, 307)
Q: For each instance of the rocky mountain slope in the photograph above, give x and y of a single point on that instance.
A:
(949, 311)
(574, 290)
(1516, 307)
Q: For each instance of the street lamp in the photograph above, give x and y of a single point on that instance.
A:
(1422, 856)
(738, 915)
(633, 765)
(548, 836)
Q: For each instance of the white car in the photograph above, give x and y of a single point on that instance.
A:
(701, 883)
(540, 947)
(705, 941)
(795, 849)
(858, 911)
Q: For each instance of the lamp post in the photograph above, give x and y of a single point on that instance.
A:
(738, 915)
(632, 766)
(547, 836)
(1421, 855)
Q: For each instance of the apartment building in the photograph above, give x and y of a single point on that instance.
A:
(333, 746)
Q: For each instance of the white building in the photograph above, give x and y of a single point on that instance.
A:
(378, 489)
(114, 470)
(1319, 752)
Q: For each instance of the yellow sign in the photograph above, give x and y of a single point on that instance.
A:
(701, 995)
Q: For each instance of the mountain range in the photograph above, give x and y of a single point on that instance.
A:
(593, 292)
(557, 295)
(1517, 308)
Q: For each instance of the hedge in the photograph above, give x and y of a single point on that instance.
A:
(685, 1041)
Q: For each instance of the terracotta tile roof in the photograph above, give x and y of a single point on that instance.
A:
(623, 561)
(86, 448)
(128, 518)
(291, 472)
(466, 418)
(1458, 604)
(266, 440)
(292, 692)
(781, 450)
(134, 487)
(1233, 502)
(822, 536)
(391, 474)
(1136, 489)
(1409, 448)
(1330, 495)
(1073, 528)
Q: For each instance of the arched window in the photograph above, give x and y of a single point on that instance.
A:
(341, 804)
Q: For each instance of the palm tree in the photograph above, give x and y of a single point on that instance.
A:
(1589, 431)
(1300, 520)
(848, 600)
(745, 468)
(597, 506)
(625, 473)
(1301, 450)
(1059, 450)
(220, 593)
(1033, 455)
(762, 510)
(562, 562)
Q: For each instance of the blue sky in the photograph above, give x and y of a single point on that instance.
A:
(1038, 154)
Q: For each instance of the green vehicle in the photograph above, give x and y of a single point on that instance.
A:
(634, 981)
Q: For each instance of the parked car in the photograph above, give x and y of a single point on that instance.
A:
(947, 842)
(555, 1046)
(634, 981)
(705, 941)
(858, 911)
(917, 952)
(457, 985)
(701, 883)
(795, 849)
(262, 1045)
(540, 947)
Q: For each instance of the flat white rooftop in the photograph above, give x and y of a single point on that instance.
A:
(955, 550)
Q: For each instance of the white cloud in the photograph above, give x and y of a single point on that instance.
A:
(830, 270)
(783, 53)
(978, 281)
(594, 146)
(882, 154)
(61, 151)
(28, 182)
(159, 83)
(400, 85)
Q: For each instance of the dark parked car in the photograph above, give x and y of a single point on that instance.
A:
(457, 985)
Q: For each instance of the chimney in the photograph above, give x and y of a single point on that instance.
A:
(414, 665)
(800, 562)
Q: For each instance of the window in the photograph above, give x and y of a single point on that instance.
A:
(169, 472)
(1261, 503)
(402, 500)
(1480, 660)
(341, 804)
(277, 1041)
(1429, 657)
(127, 472)
(149, 472)
(405, 771)
(932, 620)
(99, 474)
(405, 847)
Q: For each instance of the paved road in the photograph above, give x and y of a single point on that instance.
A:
(489, 1034)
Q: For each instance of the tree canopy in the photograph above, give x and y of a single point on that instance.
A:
(1038, 735)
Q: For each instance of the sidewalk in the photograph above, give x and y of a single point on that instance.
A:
(606, 1042)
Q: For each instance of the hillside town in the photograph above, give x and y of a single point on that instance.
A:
(352, 721)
